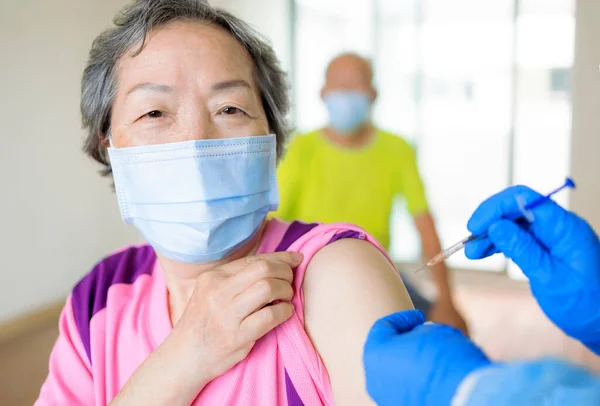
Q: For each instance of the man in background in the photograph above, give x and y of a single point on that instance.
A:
(351, 171)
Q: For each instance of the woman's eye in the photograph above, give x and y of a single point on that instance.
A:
(231, 111)
(155, 114)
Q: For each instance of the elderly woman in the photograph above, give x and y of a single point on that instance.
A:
(186, 106)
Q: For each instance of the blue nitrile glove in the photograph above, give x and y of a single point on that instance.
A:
(558, 251)
(411, 363)
(548, 382)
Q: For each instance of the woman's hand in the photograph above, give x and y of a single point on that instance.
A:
(232, 306)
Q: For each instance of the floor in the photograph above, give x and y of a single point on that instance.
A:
(503, 318)
(509, 325)
(24, 365)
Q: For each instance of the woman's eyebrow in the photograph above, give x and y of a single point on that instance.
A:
(217, 87)
(154, 87)
(228, 84)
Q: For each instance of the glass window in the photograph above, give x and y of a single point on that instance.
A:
(545, 48)
(325, 28)
(396, 67)
(465, 111)
(478, 87)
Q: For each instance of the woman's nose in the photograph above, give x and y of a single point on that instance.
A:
(197, 124)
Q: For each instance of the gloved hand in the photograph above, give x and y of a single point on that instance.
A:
(558, 251)
(542, 382)
(411, 363)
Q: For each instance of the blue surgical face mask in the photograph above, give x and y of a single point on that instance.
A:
(347, 110)
(197, 201)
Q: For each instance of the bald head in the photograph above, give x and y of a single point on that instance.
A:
(350, 61)
(349, 72)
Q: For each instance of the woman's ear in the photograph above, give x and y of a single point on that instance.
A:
(104, 141)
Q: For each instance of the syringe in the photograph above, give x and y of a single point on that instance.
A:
(448, 252)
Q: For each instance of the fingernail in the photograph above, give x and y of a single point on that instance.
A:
(297, 256)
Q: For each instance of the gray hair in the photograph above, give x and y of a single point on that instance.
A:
(132, 25)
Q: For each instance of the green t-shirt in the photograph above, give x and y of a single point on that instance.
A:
(319, 181)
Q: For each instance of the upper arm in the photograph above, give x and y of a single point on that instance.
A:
(349, 284)
(411, 184)
(69, 380)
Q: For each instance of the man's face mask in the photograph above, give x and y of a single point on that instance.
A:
(347, 110)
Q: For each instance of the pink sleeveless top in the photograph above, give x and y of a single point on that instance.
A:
(118, 314)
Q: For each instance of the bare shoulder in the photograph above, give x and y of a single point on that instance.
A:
(348, 285)
(353, 266)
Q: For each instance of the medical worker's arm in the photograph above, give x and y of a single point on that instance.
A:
(559, 252)
(69, 380)
(541, 382)
(348, 285)
(409, 363)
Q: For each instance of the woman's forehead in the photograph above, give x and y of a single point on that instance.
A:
(182, 50)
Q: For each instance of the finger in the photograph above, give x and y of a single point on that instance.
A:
(396, 323)
(498, 206)
(561, 231)
(260, 294)
(551, 222)
(260, 269)
(293, 259)
(523, 248)
(266, 319)
(480, 248)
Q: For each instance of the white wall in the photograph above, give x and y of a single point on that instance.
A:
(585, 148)
(57, 216)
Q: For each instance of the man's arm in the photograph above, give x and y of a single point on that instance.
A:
(411, 186)
(348, 285)
(431, 246)
(444, 310)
